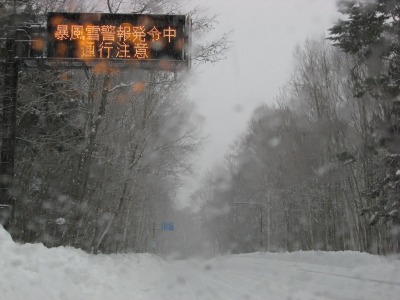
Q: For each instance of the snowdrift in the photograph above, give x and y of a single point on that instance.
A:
(32, 271)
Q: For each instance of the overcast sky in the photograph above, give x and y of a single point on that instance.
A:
(265, 33)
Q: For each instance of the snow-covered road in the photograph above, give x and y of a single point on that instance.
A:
(302, 275)
(37, 273)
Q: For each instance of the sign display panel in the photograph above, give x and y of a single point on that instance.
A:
(167, 226)
(89, 36)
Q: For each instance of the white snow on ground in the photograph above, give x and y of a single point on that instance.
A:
(38, 273)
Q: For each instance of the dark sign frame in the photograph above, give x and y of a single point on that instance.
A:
(160, 37)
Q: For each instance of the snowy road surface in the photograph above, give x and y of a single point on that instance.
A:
(37, 273)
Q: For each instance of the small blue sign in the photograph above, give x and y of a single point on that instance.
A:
(167, 226)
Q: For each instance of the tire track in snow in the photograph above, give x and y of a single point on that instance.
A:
(351, 277)
(295, 274)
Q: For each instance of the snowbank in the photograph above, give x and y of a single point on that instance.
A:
(32, 271)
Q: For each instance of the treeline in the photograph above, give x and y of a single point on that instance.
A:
(105, 162)
(319, 169)
(100, 152)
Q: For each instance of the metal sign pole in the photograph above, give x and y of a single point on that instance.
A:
(153, 241)
(8, 133)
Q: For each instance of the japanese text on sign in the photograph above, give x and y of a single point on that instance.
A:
(108, 41)
(113, 36)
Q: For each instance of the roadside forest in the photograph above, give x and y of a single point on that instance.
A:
(100, 152)
(320, 168)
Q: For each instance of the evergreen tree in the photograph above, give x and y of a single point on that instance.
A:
(371, 33)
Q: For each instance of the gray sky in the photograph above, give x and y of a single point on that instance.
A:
(265, 33)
